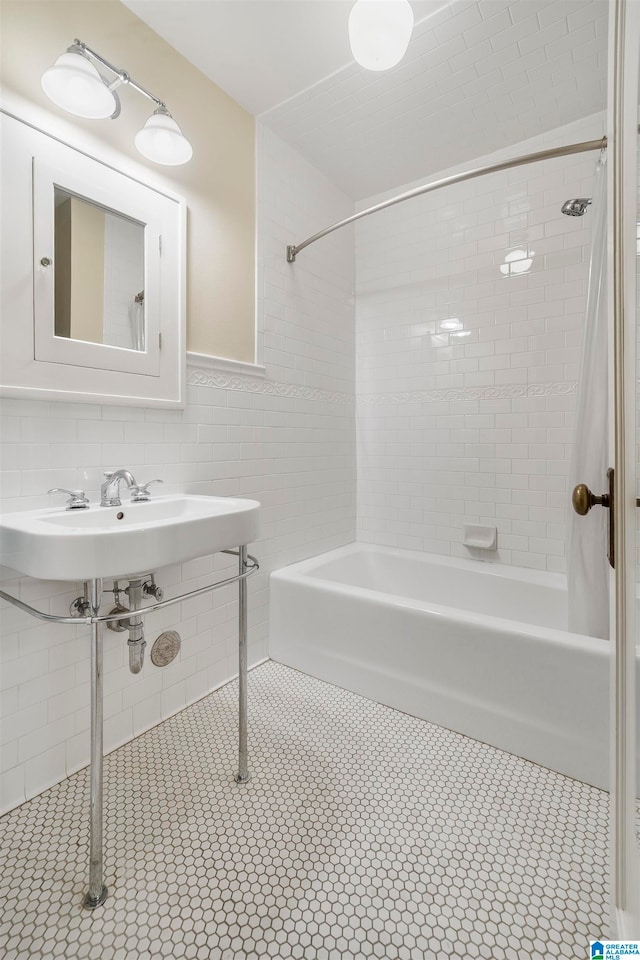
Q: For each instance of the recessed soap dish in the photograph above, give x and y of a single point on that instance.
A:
(480, 538)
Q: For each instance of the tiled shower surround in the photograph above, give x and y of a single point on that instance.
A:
(470, 304)
(286, 440)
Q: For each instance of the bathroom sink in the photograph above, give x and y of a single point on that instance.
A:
(60, 544)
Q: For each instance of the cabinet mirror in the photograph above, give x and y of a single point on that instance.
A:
(98, 264)
(93, 277)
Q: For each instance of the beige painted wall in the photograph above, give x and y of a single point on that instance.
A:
(219, 182)
(62, 267)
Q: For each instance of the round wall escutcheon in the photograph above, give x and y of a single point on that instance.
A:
(165, 648)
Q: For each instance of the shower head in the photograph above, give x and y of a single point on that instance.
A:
(576, 208)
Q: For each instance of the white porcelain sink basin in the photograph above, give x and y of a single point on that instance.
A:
(60, 544)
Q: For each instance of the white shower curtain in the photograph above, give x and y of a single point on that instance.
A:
(587, 564)
(136, 317)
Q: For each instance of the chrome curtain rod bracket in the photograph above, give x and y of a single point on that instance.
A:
(587, 145)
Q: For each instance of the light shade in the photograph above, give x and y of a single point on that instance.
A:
(74, 84)
(379, 32)
(162, 140)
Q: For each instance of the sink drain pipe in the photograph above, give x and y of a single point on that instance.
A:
(135, 590)
(135, 625)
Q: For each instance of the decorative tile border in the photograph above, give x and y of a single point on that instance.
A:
(290, 391)
(295, 391)
(506, 392)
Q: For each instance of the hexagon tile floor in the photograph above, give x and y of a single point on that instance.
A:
(363, 833)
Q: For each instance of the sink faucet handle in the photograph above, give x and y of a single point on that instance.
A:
(140, 491)
(77, 499)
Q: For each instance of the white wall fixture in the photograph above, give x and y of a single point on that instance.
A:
(81, 543)
(379, 32)
(74, 84)
(55, 342)
(162, 141)
(480, 537)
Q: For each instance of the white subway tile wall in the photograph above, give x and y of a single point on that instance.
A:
(288, 441)
(469, 313)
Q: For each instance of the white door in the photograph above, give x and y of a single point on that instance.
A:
(624, 284)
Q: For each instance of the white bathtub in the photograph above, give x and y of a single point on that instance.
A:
(476, 647)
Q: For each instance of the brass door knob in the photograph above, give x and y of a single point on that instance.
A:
(583, 499)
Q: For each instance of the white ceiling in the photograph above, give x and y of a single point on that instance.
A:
(479, 75)
(262, 52)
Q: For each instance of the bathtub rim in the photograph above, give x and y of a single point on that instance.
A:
(306, 571)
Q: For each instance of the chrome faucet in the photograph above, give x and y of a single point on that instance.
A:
(110, 489)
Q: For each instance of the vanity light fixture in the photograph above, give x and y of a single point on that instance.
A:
(75, 84)
(379, 32)
(162, 137)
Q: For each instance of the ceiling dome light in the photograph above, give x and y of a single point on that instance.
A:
(379, 32)
(74, 84)
(162, 140)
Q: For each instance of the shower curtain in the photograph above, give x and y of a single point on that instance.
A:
(587, 564)
(136, 317)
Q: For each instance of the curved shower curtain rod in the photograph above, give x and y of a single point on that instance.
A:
(584, 147)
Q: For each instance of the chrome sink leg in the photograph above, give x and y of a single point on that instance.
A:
(243, 774)
(97, 893)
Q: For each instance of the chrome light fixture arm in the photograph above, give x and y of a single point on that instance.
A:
(122, 77)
